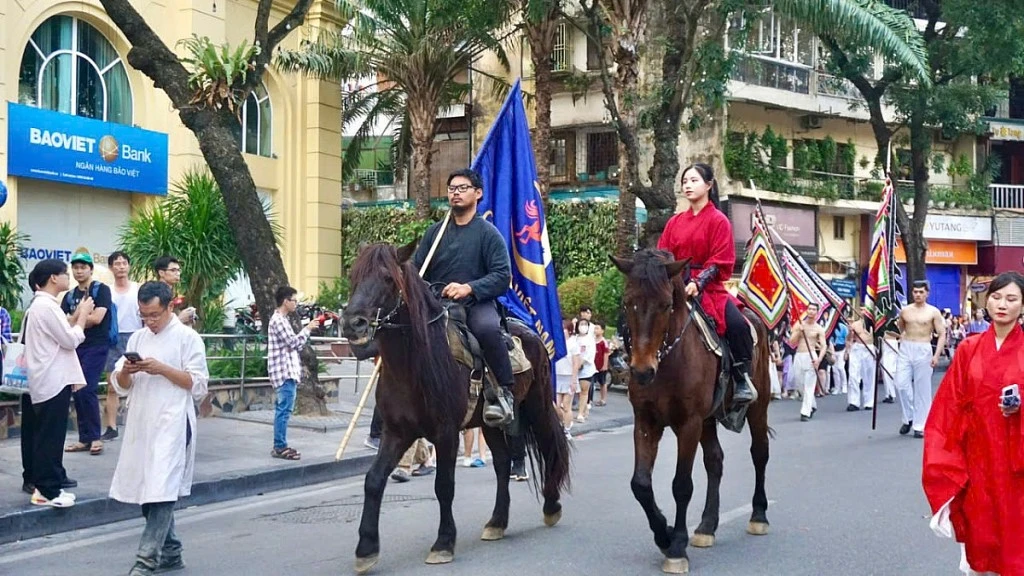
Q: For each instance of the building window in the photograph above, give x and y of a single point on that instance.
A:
(560, 52)
(257, 122)
(70, 67)
(559, 166)
(838, 228)
(602, 154)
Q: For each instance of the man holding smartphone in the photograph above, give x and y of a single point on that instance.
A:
(163, 373)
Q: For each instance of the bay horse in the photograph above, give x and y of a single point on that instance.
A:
(424, 393)
(672, 385)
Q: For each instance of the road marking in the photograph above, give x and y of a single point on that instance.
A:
(184, 517)
(733, 514)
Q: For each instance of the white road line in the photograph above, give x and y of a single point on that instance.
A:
(733, 514)
(183, 517)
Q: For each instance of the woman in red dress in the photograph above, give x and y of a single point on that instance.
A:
(703, 234)
(973, 470)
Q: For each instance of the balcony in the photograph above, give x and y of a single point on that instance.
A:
(911, 6)
(792, 77)
(1007, 196)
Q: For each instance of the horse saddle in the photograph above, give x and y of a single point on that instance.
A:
(733, 418)
(466, 348)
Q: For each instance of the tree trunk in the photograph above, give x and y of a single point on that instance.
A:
(541, 37)
(215, 132)
(424, 127)
(881, 131)
(912, 231)
(627, 95)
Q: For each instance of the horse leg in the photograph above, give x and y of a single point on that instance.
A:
(687, 437)
(704, 535)
(645, 448)
(495, 527)
(757, 421)
(447, 448)
(391, 450)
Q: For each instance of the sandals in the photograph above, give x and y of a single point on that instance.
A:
(285, 454)
(96, 449)
(77, 447)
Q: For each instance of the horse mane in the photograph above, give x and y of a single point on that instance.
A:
(649, 270)
(431, 363)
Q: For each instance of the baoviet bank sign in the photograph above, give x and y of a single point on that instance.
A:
(60, 147)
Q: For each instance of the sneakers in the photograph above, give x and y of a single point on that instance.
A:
(169, 565)
(110, 434)
(905, 429)
(372, 443)
(64, 500)
(519, 473)
(29, 488)
(400, 476)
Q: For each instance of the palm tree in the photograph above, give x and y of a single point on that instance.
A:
(417, 54)
(691, 73)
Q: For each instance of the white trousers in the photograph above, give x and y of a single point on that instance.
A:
(914, 382)
(805, 377)
(839, 373)
(890, 353)
(862, 374)
(773, 375)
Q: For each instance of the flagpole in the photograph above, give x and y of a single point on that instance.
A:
(880, 334)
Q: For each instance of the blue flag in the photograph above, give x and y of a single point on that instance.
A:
(513, 204)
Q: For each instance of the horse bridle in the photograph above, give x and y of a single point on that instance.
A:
(666, 346)
(384, 322)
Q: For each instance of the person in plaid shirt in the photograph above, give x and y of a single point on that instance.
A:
(283, 366)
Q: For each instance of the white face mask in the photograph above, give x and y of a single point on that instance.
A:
(584, 330)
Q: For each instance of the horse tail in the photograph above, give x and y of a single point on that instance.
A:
(546, 444)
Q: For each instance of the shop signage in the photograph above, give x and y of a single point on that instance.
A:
(944, 252)
(1006, 131)
(63, 148)
(845, 288)
(798, 226)
(959, 228)
(979, 286)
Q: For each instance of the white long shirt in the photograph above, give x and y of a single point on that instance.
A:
(50, 343)
(155, 464)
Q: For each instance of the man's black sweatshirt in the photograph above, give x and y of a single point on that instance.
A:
(473, 254)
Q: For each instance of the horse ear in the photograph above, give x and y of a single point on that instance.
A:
(674, 268)
(623, 264)
(406, 252)
(362, 246)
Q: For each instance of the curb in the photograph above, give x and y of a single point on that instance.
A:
(38, 521)
(34, 522)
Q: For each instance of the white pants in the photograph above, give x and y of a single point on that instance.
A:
(839, 373)
(773, 375)
(890, 353)
(862, 373)
(914, 382)
(805, 378)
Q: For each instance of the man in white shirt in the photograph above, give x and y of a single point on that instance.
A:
(125, 295)
(53, 373)
(163, 373)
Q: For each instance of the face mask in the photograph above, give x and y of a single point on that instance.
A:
(584, 330)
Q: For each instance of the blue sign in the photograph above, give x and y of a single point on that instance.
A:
(63, 148)
(845, 288)
(3, 194)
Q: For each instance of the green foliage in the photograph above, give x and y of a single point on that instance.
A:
(12, 269)
(761, 158)
(582, 237)
(192, 225)
(848, 157)
(829, 152)
(387, 224)
(576, 293)
(333, 297)
(216, 72)
(211, 315)
(608, 297)
(17, 315)
(802, 159)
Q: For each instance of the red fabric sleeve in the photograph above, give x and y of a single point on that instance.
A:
(944, 471)
(723, 248)
(664, 242)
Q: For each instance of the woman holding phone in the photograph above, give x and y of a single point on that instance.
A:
(973, 471)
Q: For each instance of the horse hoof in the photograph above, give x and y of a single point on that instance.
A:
(440, 557)
(364, 565)
(702, 540)
(675, 566)
(552, 519)
(492, 533)
(757, 528)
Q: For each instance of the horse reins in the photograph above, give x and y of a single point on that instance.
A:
(666, 347)
(385, 323)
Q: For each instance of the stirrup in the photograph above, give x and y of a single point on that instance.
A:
(750, 388)
(499, 412)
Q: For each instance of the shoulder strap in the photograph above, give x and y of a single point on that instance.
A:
(94, 289)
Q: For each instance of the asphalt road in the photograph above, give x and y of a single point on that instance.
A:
(844, 500)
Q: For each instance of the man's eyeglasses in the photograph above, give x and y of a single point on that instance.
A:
(153, 317)
(173, 270)
(461, 189)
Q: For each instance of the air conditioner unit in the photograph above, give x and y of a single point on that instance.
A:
(811, 122)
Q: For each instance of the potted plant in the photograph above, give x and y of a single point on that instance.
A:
(582, 176)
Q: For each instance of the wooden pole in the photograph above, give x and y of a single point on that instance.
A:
(376, 367)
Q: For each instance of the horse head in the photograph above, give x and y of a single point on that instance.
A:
(378, 281)
(649, 300)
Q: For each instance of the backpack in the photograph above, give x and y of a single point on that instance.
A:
(94, 291)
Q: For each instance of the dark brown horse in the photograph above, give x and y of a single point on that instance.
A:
(424, 393)
(680, 396)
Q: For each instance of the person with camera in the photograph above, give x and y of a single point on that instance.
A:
(973, 471)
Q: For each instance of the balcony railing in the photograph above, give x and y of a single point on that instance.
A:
(835, 86)
(374, 178)
(1007, 196)
(911, 6)
(792, 77)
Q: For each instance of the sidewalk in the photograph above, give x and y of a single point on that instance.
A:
(232, 461)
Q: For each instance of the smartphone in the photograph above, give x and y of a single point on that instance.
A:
(133, 357)
(1011, 396)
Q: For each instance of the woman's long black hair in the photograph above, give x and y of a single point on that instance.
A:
(707, 173)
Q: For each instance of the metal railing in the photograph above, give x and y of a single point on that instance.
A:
(373, 178)
(1007, 196)
(911, 6)
(835, 86)
(773, 74)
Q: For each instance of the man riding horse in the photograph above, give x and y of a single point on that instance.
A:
(472, 262)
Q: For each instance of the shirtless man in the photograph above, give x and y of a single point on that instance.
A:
(862, 366)
(809, 340)
(917, 322)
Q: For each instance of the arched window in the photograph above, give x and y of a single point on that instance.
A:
(69, 66)
(257, 120)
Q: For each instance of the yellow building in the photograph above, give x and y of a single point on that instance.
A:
(74, 176)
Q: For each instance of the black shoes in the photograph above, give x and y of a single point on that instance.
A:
(805, 418)
(519, 473)
(889, 400)
(499, 412)
(852, 408)
(743, 391)
(918, 435)
(905, 429)
(110, 434)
